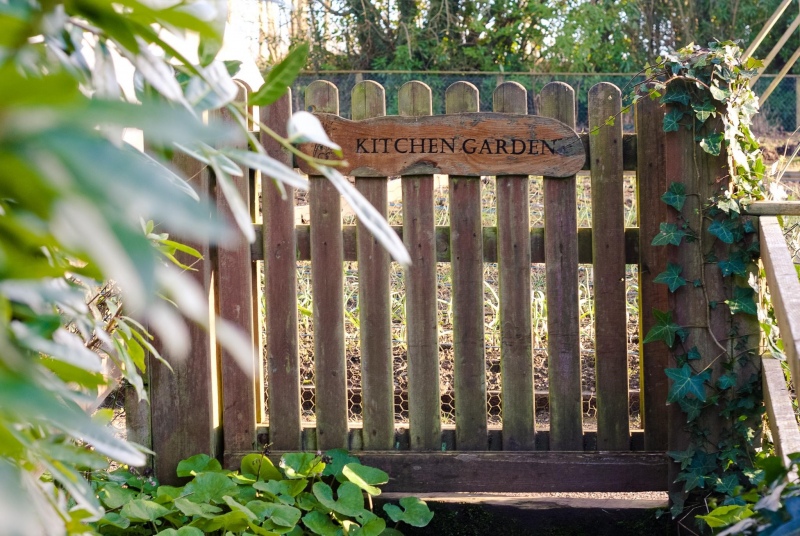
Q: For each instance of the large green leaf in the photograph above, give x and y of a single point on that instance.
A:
(197, 464)
(260, 466)
(301, 465)
(743, 301)
(210, 487)
(415, 512)
(281, 76)
(365, 477)
(349, 502)
(321, 524)
(668, 234)
(144, 510)
(675, 196)
(665, 329)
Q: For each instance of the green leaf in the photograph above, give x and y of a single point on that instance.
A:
(744, 301)
(281, 76)
(197, 464)
(727, 485)
(668, 234)
(415, 512)
(664, 330)
(339, 458)
(365, 477)
(192, 509)
(115, 520)
(280, 514)
(719, 94)
(374, 527)
(692, 407)
(685, 382)
(723, 229)
(144, 510)
(726, 381)
(114, 496)
(321, 524)
(261, 466)
(712, 143)
(675, 196)
(671, 277)
(684, 457)
(183, 531)
(672, 120)
(301, 465)
(723, 516)
(734, 265)
(676, 93)
(210, 487)
(350, 501)
(705, 110)
(693, 353)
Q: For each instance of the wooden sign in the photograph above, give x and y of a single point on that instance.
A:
(459, 144)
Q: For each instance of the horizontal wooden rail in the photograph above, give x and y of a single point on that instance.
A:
(773, 208)
(513, 472)
(443, 244)
(780, 413)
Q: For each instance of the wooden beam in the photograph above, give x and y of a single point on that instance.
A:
(765, 30)
(517, 472)
(777, 80)
(780, 413)
(773, 208)
(784, 288)
(777, 48)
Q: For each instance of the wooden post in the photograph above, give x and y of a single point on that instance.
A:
(466, 243)
(235, 304)
(280, 277)
(424, 402)
(368, 100)
(708, 327)
(514, 263)
(327, 287)
(561, 254)
(608, 252)
(184, 401)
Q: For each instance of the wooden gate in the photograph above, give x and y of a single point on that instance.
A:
(511, 452)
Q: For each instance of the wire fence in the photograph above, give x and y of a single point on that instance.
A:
(779, 114)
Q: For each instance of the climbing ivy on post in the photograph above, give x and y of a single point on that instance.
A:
(712, 329)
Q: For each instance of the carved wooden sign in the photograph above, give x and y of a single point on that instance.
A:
(458, 144)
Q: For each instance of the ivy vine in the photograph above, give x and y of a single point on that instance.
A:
(707, 91)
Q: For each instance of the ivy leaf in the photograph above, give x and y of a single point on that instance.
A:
(692, 407)
(693, 354)
(684, 457)
(704, 111)
(712, 144)
(671, 277)
(743, 301)
(665, 330)
(668, 234)
(676, 93)
(685, 382)
(734, 265)
(675, 196)
(672, 120)
(727, 485)
(722, 229)
(719, 94)
(727, 381)
(692, 479)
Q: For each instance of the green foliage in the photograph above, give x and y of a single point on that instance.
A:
(306, 493)
(671, 276)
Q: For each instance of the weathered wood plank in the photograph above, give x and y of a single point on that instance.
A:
(442, 239)
(514, 264)
(421, 323)
(773, 208)
(608, 248)
(514, 472)
(561, 254)
(183, 400)
(783, 288)
(651, 178)
(327, 288)
(780, 413)
(235, 304)
(374, 295)
(280, 278)
(469, 144)
(466, 257)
